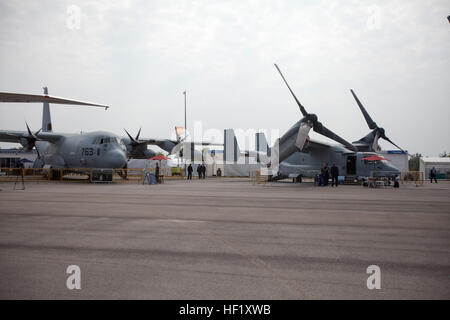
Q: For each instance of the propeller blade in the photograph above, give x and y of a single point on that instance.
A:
(32, 135)
(32, 139)
(389, 140)
(320, 128)
(37, 151)
(370, 122)
(302, 108)
(129, 136)
(28, 128)
(139, 133)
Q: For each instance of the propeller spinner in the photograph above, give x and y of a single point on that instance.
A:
(32, 138)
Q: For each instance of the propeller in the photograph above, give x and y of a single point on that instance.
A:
(310, 121)
(32, 138)
(377, 131)
(134, 141)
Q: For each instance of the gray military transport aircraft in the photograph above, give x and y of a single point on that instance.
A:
(295, 155)
(99, 149)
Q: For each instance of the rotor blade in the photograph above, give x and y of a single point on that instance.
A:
(370, 122)
(28, 128)
(389, 140)
(21, 97)
(302, 109)
(129, 136)
(320, 128)
(37, 151)
(139, 132)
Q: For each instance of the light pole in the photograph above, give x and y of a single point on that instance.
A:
(185, 132)
(185, 124)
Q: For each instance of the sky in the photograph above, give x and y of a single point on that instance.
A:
(139, 57)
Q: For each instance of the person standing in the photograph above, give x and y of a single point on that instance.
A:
(326, 174)
(204, 171)
(334, 175)
(433, 175)
(199, 171)
(157, 172)
(322, 175)
(189, 169)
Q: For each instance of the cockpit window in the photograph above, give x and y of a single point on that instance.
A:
(104, 140)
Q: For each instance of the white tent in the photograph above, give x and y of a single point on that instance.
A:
(442, 166)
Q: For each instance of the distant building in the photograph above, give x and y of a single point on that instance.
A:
(442, 166)
(397, 158)
(10, 157)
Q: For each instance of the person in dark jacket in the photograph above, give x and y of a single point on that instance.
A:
(321, 176)
(157, 172)
(199, 171)
(189, 170)
(433, 175)
(334, 175)
(204, 171)
(326, 174)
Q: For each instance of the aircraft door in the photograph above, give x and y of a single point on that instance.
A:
(351, 165)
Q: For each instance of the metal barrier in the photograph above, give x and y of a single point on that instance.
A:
(258, 178)
(79, 175)
(416, 177)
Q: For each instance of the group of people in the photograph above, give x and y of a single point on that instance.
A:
(325, 173)
(201, 171)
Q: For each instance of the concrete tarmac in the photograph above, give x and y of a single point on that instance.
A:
(224, 238)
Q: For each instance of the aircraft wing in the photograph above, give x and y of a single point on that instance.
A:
(160, 142)
(21, 97)
(317, 145)
(16, 136)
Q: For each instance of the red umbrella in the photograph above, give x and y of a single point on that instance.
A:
(159, 157)
(374, 158)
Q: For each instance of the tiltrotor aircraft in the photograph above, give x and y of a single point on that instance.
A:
(295, 155)
(99, 149)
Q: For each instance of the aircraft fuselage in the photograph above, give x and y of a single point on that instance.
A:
(98, 149)
(309, 163)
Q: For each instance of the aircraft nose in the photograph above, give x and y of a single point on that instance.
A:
(392, 169)
(117, 159)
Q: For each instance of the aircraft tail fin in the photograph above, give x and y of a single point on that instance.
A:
(46, 118)
(179, 131)
(231, 150)
(262, 147)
